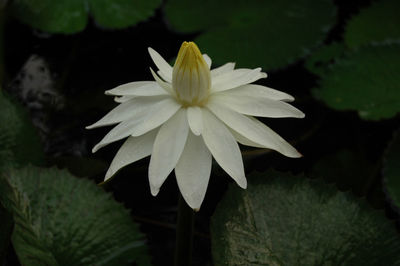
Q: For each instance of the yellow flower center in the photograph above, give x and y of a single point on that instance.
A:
(191, 78)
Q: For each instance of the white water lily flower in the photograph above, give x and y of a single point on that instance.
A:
(190, 114)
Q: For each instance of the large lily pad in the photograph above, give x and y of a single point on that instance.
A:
(63, 220)
(70, 16)
(366, 80)
(284, 220)
(377, 23)
(254, 33)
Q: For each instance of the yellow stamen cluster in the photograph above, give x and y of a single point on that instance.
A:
(191, 77)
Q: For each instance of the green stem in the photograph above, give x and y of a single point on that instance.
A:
(184, 234)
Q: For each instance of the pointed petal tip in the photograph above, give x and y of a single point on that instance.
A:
(108, 175)
(291, 99)
(96, 148)
(296, 154)
(193, 205)
(92, 126)
(155, 76)
(154, 191)
(243, 183)
(298, 114)
(196, 131)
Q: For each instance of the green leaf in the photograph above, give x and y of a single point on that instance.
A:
(377, 23)
(392, 172)
(319, 61)
(284, 220)
(70, 16)
(63, 220)
(121, 13)
(19, 142)
(254, 33)
(366, 80)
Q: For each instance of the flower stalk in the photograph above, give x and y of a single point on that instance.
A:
(184, 234)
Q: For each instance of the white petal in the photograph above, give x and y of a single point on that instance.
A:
(254, 130)
(160, 62)
(222, 69)
(165, 85)
(256, 106)
(122, 99)
(193, 171)
(164, 77)
(138, 88)
(260, 91)
(167, 149)
(142, 123)
(236, 78)
(195, 119)
(223, 147)
(127, 110)
(243, 140)
(208, 60)
(134, 149)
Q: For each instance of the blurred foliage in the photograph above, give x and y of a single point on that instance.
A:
(392, 172)
(318, 61)
(19, 142)
(71, 16)
(377, 23)
(284, 220)
(366, 80)
(62, 220)
(80, 166)
(271, 34)
(347, 169)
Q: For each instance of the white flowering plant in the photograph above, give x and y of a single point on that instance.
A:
(191, 147)
(190, 114)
